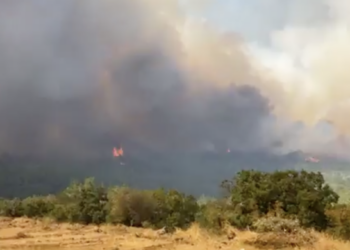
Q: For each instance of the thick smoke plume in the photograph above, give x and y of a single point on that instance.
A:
(80, 77)
(307, 49)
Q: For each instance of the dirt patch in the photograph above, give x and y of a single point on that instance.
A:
(25, 234)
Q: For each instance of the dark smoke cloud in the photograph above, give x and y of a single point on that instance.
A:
(54, 99)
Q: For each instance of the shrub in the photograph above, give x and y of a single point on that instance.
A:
(11, 208)
(82, 203)
(301, 194)
(65, 212)
(174, 209)
(130, 207)
(37, 206)
(158, 208)
(214, 216)
(3, 207)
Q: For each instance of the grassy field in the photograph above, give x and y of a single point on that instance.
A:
(25, 234)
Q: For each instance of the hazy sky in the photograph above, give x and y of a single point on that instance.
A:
(241, 17)
(256, 19)
(304, 43)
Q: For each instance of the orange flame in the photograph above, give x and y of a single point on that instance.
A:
(121, 151)
(118, 152)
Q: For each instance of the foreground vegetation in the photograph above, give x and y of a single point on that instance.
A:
(278, 201)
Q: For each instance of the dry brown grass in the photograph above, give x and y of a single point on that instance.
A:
(281, 240)
(28, 234)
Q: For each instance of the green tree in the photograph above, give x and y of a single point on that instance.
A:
(303, 195)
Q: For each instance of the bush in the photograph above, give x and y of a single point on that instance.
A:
(82, 203)
(130, 207)
(157, 208)
(11, 208)
(174, 209)
(214, 216)
(37, 206)
(65, 212)
(301, 194)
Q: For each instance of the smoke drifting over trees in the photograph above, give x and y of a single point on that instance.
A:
(79, 77)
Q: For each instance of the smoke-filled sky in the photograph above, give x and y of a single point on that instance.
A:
(80, 77)
(306, 45)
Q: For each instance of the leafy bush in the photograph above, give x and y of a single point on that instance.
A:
(130, 207)
(37, 206)
(11, 208)
(214, 216)
(157, 208)
(82, 203)
(301, 194)
(65, 212)
(174, 209)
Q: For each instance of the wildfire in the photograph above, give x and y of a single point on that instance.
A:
(118, 152)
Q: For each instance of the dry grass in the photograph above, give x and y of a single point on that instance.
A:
(28, 234)
(274, 240)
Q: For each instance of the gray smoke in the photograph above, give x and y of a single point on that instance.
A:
(79, 77)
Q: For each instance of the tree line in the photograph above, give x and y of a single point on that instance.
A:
(249, 196)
